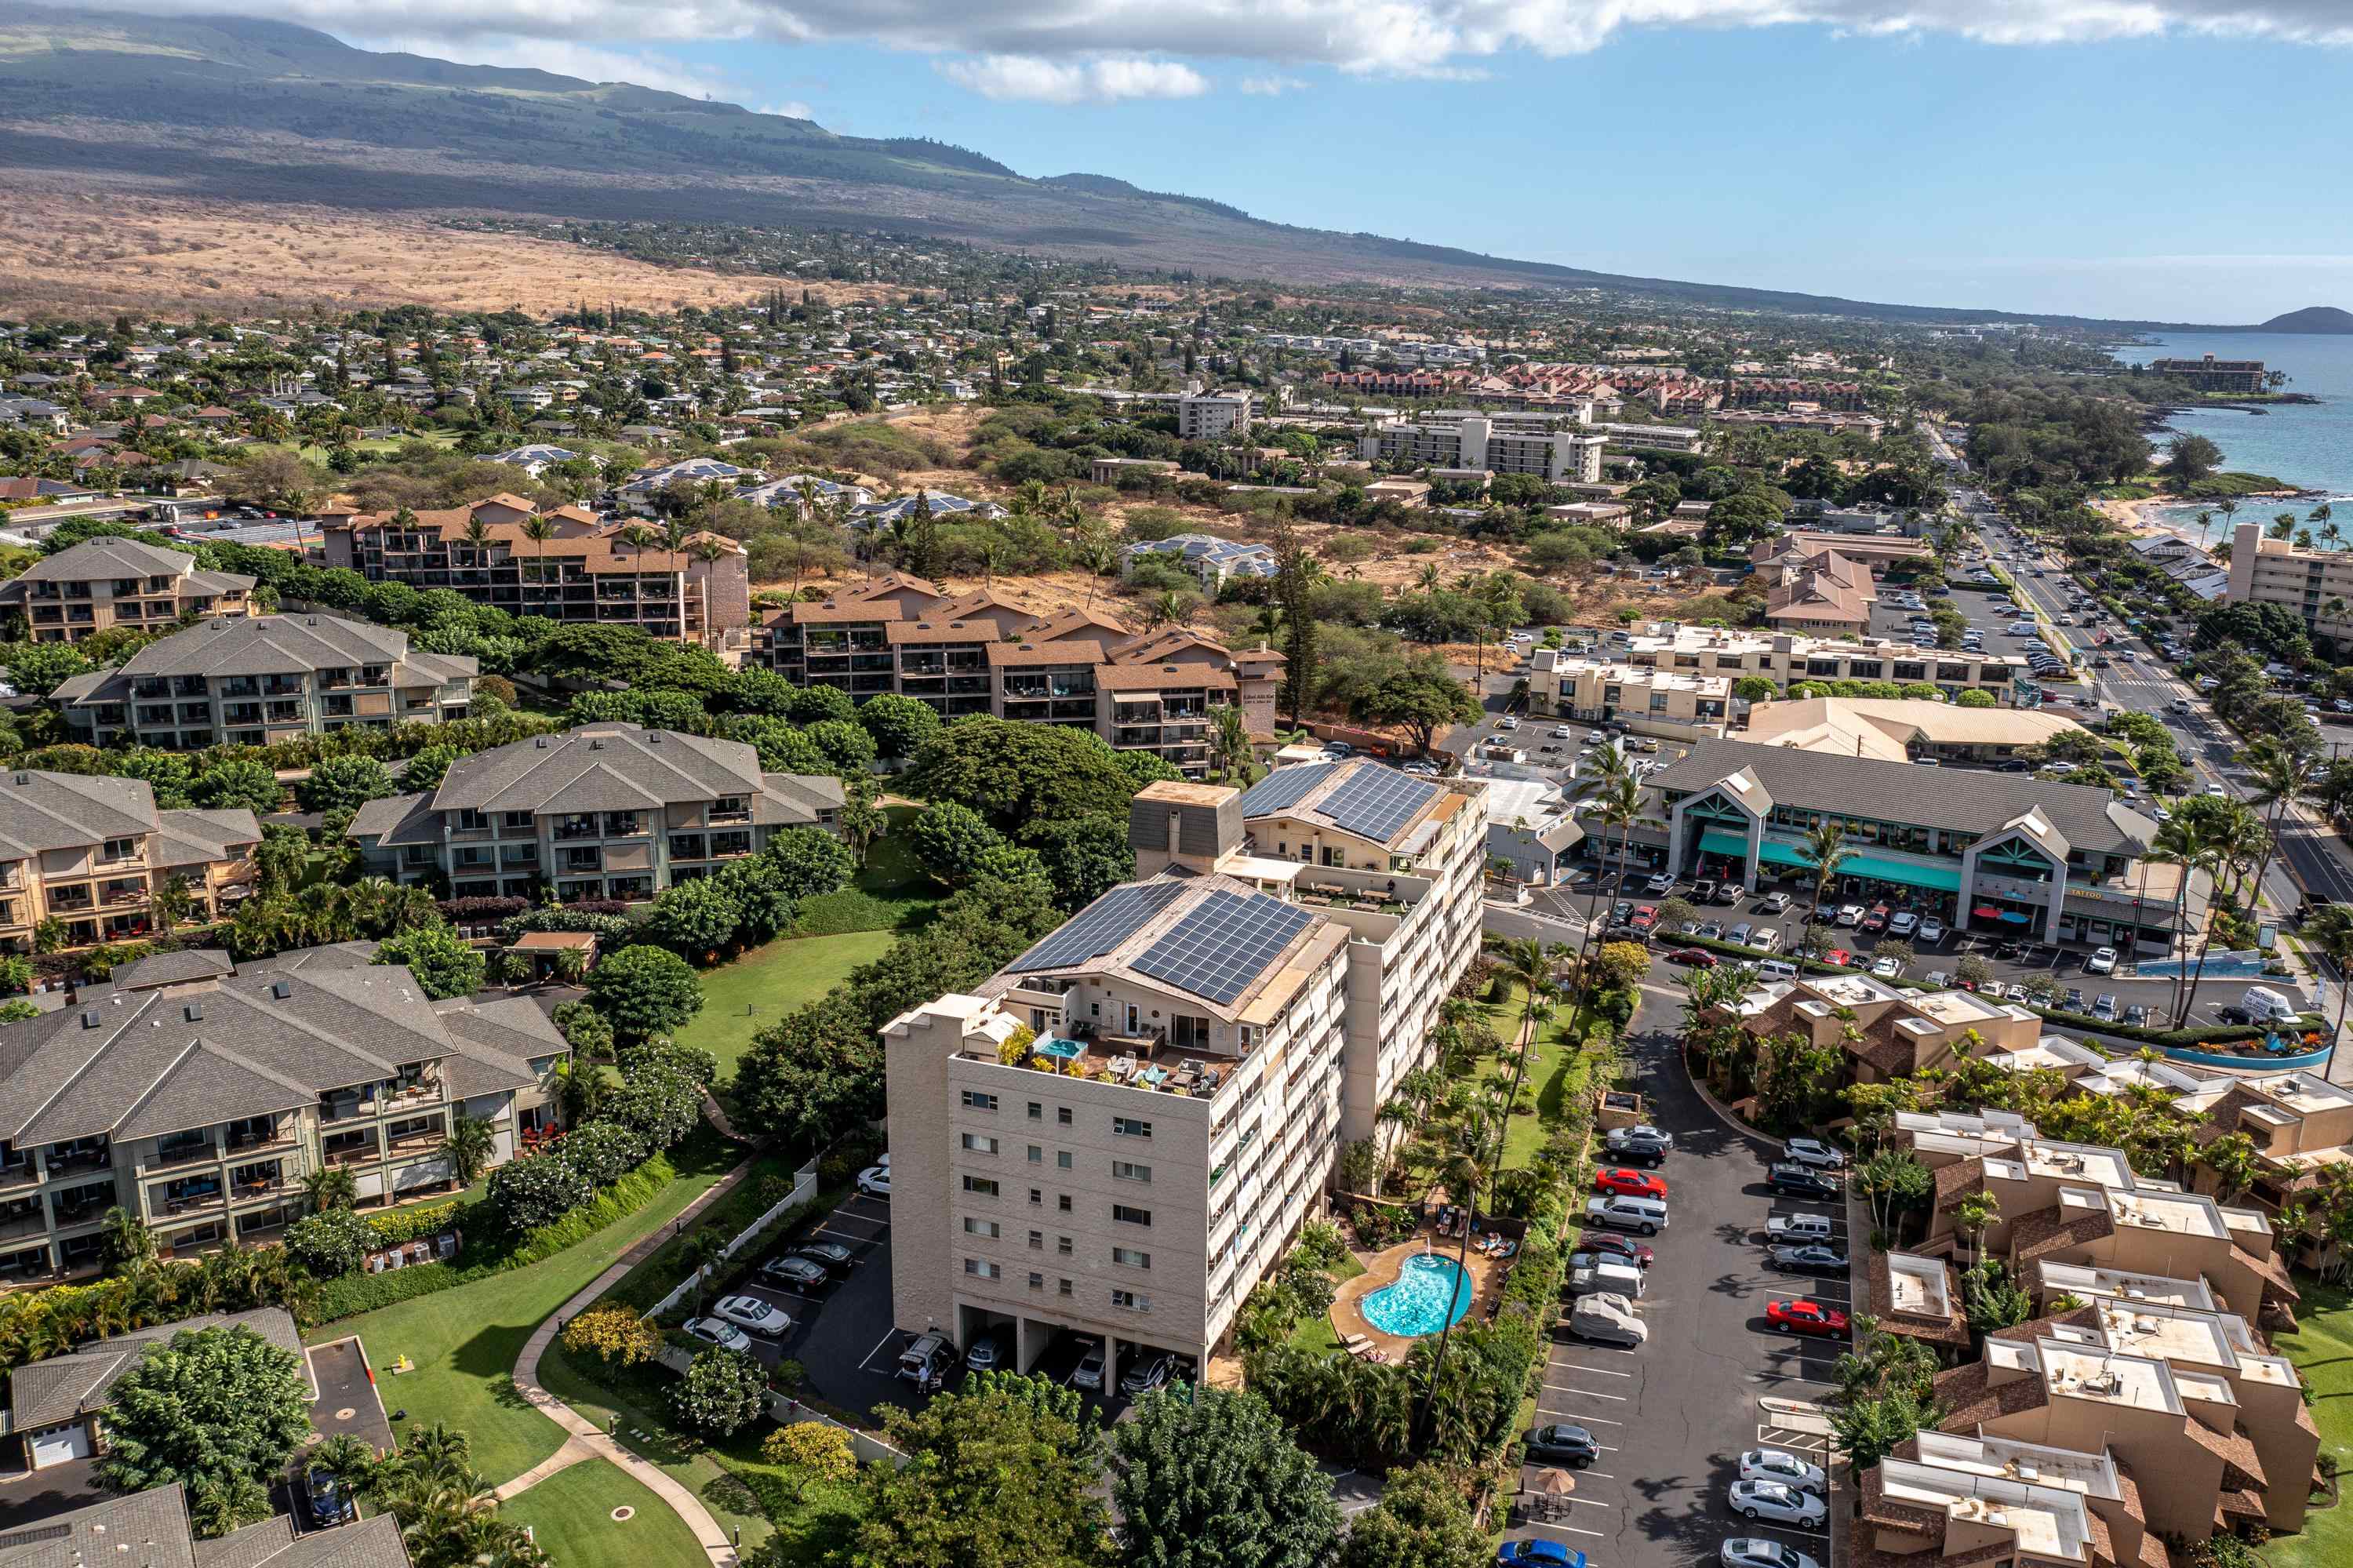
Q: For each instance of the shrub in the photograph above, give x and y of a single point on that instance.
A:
(614, 1334)
(331, 1244)
(722, 1392)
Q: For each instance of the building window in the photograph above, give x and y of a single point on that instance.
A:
(1036, 1155)
(1036, 1111)
(1036, 1282)
(1062, 1245)
(981, 1268)
(1066, 1288)
(1037, 1240)
(1128, 1171)
(1062, 1202)
(974, 1100)
(1036, 1195)
(1131, 1301)
(978, 1143)
(1062, 1159)
(1062, 1115)
(983, 1186)
(1128, 1257)
(973, 1227)
(1128, 1127)
(1120, 1211)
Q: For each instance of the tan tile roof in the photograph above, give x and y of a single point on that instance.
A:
(899, 633)
(1953, 1330)
(1153, 677)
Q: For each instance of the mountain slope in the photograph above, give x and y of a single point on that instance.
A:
(2312, 319)
(237, 110)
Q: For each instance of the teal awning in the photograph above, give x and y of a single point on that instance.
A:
(1787, 854)
(1942, 878)
(1733, 845)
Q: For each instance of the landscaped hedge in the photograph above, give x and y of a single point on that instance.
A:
(2216, 1035)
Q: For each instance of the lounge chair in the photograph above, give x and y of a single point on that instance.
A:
(1354, 1342)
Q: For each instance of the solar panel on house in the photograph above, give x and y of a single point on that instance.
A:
(1099, 926)
(1284, 787)
(1222, 944)
(1376, 802)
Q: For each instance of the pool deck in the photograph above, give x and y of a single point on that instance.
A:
(1382, 1269)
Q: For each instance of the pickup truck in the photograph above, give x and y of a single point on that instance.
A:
(1795, 1228)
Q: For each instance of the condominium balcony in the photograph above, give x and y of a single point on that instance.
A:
(354, 1154)
(183, 1154)
(79, 1160)
(16, 1173)
(27, 1222)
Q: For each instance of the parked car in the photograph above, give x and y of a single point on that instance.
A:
(2073, 1001)
(1780, 1465)
(1562, 1444)
(2102, 962)
(1730, 892)
(1756, 1552)
(1693, 957)
(1901, 924)
(1795, 1230)
(1815, 1152)
(1645, 1216)
(1645, 917)
(763, 1318)
(1660, 885)
(2105, 1009)
(1615, 1246)
(1780, 1503)
(1147, 1372)
(927, 1356)
(1537, 1554)
(1888, 968)
(830, 1255)
(330, 1501)
(2137, 1015)
(711, 1331)
(1644, 1135)
(1629, 1182)
(1813, 1257)
(875, 1181)
(1850, 915)
(1932, 931)
(1089, 1374)
(1801, 1315)
(1877, 919)
(794, 1272)
(985, 1351)
(1775, 903)
(1801, 1181)
(1702, 890)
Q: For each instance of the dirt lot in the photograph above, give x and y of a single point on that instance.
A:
(177, 255)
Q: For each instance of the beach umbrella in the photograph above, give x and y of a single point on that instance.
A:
(1556, 1483)
(1985, 912)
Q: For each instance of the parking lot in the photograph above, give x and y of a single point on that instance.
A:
(1672, 1417)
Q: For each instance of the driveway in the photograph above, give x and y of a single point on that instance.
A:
(1672, 1417)
(349, 1402)
(841, 1335)
(27, 1497)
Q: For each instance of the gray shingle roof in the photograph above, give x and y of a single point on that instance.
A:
(45, 1393)
(372, 1542)
(64, 811)
(172, 969)
(267, 645)
(196, 837)
(95, 560)
(599, 766)
(1961, 798)
(154, 1524)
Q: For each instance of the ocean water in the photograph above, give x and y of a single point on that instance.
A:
(2307, 444)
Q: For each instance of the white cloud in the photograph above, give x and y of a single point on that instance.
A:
(1082, 81)
(1271, 85)
(1075, 50)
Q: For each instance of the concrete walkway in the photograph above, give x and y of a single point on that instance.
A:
(588, 1440)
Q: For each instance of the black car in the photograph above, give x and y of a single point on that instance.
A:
(1613, 1244)
(1801, 1181)
(1563, 1444)
(1640, 1151)
(330, 1500)
(831, 1256)
(1812, 1259)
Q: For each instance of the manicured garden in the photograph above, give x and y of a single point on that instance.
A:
(464, 1341)
(570, 1518)
(2321, 1346)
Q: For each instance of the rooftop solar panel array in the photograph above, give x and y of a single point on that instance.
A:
(1377, 801)
(1099, 926)
(1284, 787)
(1223, 944)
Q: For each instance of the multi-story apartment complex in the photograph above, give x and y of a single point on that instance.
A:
(253, 680)
(1207, 416)
(1786, 658)
(979, 654)
(2300, 1123)
(1551, 448)
(1987, 1499)
(101, 584)
(2317, 585)
(587, 570)
(1217, 1029)
(198, 1095)
(1993, 852)
(1650, 438)
(2207, 374)
(607, 810)
(91, 854)
(1650, 699)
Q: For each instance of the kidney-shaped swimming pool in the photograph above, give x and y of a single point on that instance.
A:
(1430, 1292)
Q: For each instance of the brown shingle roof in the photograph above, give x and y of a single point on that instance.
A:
(1970, 1401)
(901, 633)
(1016, 654)
(827, 613)
(1153, 677)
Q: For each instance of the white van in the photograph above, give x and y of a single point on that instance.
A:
(2268, 1005)
(1776, 969)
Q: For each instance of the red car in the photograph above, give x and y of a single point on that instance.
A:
(1645, 917)
(1801, 1316)
(1697, 958)
(1629, 1183)
(1838, 956)
(1877, 919)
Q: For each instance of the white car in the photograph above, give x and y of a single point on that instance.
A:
(1563, 732)
(751, 1312)
(875, 1180)
(1663, 882)
(1887, 969)
(2102, 962)
(1932, 931)
(726, 1336)
(1814, 1153)
(1780, 1465)
(1901, 924)
(1850, 915)
(1780, 1503)
(1507, 723)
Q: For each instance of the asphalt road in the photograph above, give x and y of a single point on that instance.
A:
(1673, 1416)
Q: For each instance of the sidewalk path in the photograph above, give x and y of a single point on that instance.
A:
(588, 1440)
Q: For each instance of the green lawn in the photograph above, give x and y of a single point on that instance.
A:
(727, 1476)
(571, 1517)
(2322, 1349)
(465, 1340)
(746, 996)
(1552, 1072)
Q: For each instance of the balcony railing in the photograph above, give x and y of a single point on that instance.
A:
(81, 1160)
(19, 1173)
(185, 1154)
(354, 1154)
(23, 1223)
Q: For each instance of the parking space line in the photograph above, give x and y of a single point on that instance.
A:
(1597, 1372)
(1570, 1529)
(1572, 1415)
(1588, 1394)
(887, 1337)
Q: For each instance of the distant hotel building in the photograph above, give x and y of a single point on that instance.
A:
(1497, 444)
(1220, 1028)
(2317, 585)
(2212, 374)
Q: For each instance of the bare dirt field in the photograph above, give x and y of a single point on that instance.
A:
(83, 254)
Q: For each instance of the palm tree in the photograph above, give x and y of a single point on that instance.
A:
(1824, 847)
(468, 1147)
(1170, 608)
(171, 904)
(347, 1458)
(674, 534)
(1465, 1173)
(221, 1504)
(2239, 842)
(331, 1187)
(702, 1250)
(1229, 744)
(539, 531)
(2330, 930)
(124, 1240)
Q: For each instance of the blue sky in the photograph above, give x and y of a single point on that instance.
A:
(2026, 154)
